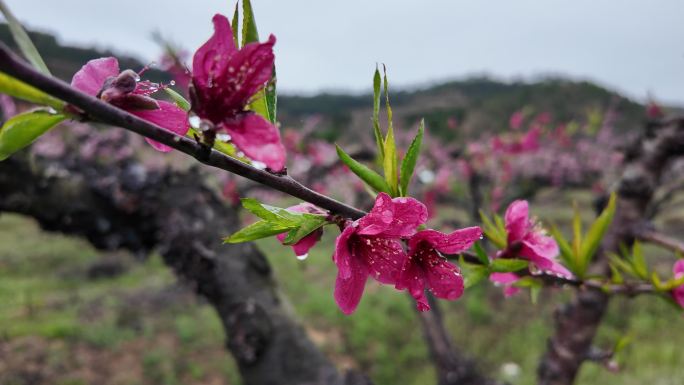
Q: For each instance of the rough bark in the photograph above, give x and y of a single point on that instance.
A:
(576, 322)
(124, 205)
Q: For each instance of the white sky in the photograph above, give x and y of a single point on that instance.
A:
(634, 46)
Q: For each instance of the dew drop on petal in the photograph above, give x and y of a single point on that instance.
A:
(303, 256)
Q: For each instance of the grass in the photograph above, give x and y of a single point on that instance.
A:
(44, 298)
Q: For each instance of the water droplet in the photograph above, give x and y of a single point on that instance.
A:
(303, 256)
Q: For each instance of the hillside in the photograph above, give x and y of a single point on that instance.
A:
(452, 110)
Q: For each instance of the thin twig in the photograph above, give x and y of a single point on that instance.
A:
(661, 240)
(103, 112)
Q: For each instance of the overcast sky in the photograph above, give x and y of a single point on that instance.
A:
(636, 47)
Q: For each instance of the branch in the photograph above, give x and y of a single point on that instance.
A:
(661, 240)
(107, 113)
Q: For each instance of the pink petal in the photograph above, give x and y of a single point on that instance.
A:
(307, 207)
(382, 256)
(453, 243)
(93, 74)
(517, 220)
(348, 291)
(258, 139)
(507, 280)
(559, 270)
(412, 278)
(678, 268)
(445, 280)
(169, 117)
(540, 249)
(342, 256)
(253, 68)
(398, 217)
(211, 59)
(305, 244)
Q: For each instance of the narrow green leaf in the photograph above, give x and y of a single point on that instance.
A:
(272, 97)
(639, 261)
(492, 232)
(21, 130)
(20, 90)
(23, 40)
(595, 234)
(272, 213)
(177, 98)
(249, 28)
(567, 254)
(308, 225)
(366, 174)
(376, 114)
(408, 164)
(615, 276)
(508, 265)
(257, 230)
(576, 230)
(234, 25)
(390, 163)
(473, 274)
(481, 253)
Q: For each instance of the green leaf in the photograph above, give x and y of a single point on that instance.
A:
(249, 28)
(481, 253)
(271, 213)
(615, 276)
(272, 97)
(20, 90)
(234, 25)
(366, 174)
(595, 234)
(508, 265)
(376, 114)
(177, 98)
(619, 264)
(639, 261)
(23, 129)
(531, 283)
(257, 230)
(390, 163)
(576, 230)
(23, 40)
(408, 164)
(473, 274)
(308, 225)
(492, 232)
(567, 254)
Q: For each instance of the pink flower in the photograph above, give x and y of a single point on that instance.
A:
(425, 268)
(301, 248)
(678, 292)
(224, 80)
(529, 241)
(103, 79)
(516, 120)
(506, 280)
(371, 246)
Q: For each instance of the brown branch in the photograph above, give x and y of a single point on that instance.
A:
(103, 112)
(661, 240)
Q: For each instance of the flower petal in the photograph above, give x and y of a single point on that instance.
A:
(398, 217)
(444, 279)
(211, 59)
(342, 256)
(258, 139)
(249, 70)
(507, 280)
(348, 291)
(91, 77)
(412, 278)
(383, 257)
(517, 220)
(452, 243)
(169, 117)
(540, 249)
